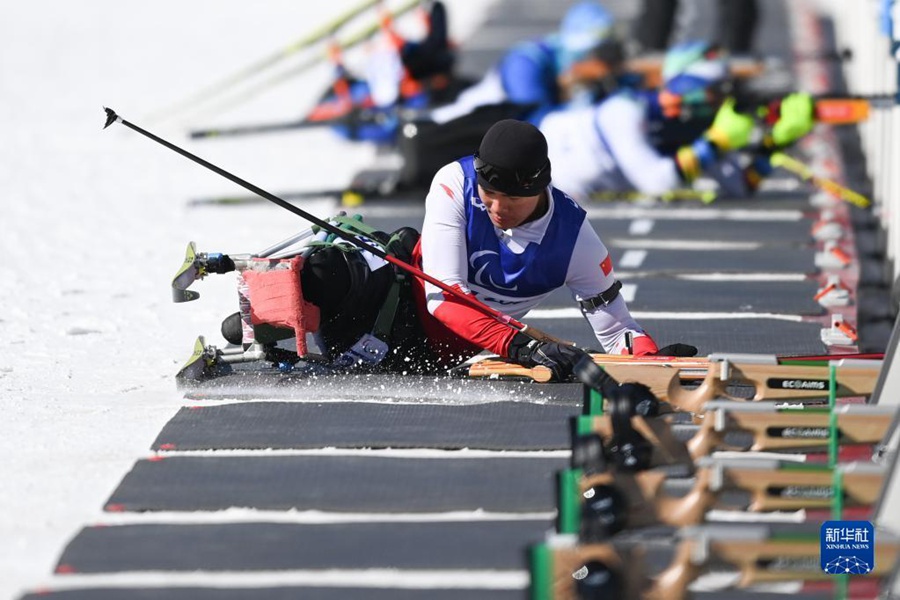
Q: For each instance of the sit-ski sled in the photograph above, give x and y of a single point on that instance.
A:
(279, 313)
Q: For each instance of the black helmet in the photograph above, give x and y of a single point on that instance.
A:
(512, 159)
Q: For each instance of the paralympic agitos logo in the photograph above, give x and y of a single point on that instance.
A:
(490, 269)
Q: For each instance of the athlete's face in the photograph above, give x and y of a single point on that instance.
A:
(507, 212)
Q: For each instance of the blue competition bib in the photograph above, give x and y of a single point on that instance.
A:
(540, 269)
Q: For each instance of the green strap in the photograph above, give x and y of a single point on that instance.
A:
(592, 401)
(541, 572)
(842, 585)
(353, 225)
(569, 501)
(584, 424)
(385, 320)
(837, 494)
(833, 432)
(842, 588)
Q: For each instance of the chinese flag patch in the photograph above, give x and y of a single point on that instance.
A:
(606, 265)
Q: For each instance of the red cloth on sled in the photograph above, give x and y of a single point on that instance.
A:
(276, 299)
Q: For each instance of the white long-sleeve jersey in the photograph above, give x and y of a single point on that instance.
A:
(606, 147)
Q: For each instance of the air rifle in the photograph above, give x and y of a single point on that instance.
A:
(639, 474)
(563, 569)
(650, 69)
(770, 377)
(831, 109)
(741, 426)
(355, 118)
(602, 504)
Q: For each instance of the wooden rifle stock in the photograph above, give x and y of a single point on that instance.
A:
(770, 559)
(663, 375)
(498, 368)
(789, 429)
(784, 488)
(772, 430)
(770, 382)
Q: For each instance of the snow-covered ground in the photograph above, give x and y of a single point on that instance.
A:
(94, 224)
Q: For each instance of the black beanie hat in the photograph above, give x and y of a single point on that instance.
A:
(512, 159)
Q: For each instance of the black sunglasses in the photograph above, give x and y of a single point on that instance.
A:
(501, 178)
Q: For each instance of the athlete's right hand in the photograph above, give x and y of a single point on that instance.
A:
(730, 129)
(682, 350)
(559, 358)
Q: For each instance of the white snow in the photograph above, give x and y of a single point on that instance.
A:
(93, 225)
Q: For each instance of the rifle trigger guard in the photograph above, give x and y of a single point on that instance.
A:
(725, 370)
(716, 477)
(719, 424)
(700, 549)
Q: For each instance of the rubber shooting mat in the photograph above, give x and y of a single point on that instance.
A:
(452, 545)
(256, 380)
(672, 261)
(278, 593)
(358, 484)
(505, 24)
(773, 199)
(751, 595)
(681, 295)
(656, 228)
(766, 233)
(687, 220)
(283, 425)
(756, 336)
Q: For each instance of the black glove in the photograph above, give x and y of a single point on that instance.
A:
(559, 358)
(677, 350)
